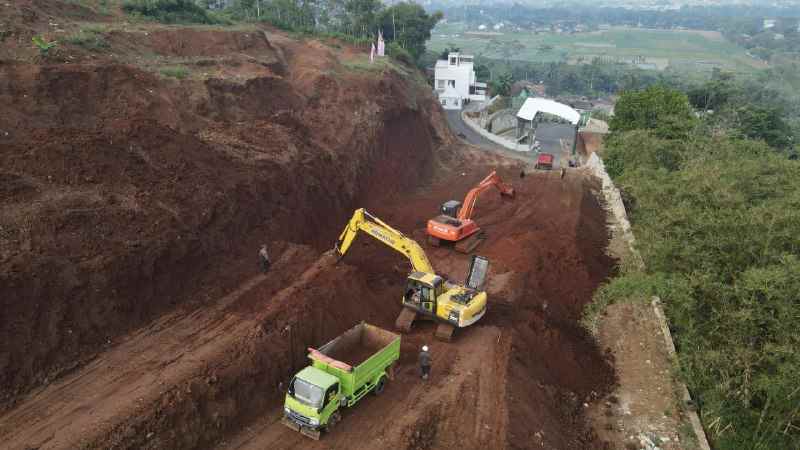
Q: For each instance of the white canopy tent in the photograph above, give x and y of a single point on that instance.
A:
(533, 106)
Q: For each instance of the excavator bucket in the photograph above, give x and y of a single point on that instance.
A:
(478, 269)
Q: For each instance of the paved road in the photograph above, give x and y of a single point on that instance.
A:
(457, 125)
(551, 135)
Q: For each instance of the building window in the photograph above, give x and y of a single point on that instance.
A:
(453, 61)
(440, 84)
(451, 83)
(444, 102)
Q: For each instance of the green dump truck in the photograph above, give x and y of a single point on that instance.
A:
(342, 372)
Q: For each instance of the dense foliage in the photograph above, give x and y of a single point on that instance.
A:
(405, 23)
(664, 111)
(717, 220)
(169, 11)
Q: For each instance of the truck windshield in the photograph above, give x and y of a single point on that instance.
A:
(307, 393)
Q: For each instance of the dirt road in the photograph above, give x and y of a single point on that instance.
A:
(211, 377)
(414, 413)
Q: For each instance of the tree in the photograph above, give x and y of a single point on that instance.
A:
(363, 15)
(765, 123)
(409, 25)
(501, 85)
(665, 111)
(482, 71)
(447, 50)
(719, 237)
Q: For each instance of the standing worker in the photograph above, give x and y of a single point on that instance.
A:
(263, 258)
(425, 362)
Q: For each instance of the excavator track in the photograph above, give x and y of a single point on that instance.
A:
(444, 332)
(405, 320)
(467, 245)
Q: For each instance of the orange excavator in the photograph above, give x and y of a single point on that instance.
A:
(455, 224)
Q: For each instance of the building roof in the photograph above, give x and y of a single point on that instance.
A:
(533, 106)
(442, 64)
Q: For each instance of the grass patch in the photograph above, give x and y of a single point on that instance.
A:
(90, 38)
(178, 72)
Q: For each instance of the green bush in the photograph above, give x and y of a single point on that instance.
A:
(397, 52)
(716, 222)
(43, 45)
(89, 38)
(169, 11)
(175, 72)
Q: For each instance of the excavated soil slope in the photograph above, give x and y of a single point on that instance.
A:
(125, 195)
(519, 378)
(132, 209)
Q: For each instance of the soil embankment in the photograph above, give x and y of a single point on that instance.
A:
(126, 195)
(133, 207)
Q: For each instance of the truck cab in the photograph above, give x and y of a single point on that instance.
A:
(312, 397)
(544, 161)
(341, 373)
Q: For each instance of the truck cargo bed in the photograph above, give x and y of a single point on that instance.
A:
(358, 344)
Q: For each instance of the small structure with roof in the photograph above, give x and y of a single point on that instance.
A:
(535, 110)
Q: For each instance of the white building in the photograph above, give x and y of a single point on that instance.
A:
(457, 73)
(450, 98)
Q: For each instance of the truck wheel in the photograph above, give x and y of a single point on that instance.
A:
(334, 419)
(380, 386)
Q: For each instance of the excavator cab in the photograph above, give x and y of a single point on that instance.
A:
(422, 290)
(450, 208)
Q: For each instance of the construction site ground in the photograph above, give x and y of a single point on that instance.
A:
(134, 204)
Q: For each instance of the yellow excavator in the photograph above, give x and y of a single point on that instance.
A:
(426, 295)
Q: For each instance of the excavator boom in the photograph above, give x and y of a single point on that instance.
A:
(493, 179)
(366, 222)
(455, 224)
(452, 305)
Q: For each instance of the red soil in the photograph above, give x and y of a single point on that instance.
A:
(132, 210)
(126, 195)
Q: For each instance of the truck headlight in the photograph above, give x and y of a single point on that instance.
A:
(313, 421)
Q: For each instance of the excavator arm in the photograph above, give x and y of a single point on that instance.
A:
(493, 179)
(366, 222)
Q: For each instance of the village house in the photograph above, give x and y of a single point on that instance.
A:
(455, 83)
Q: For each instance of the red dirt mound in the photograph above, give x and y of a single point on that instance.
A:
(187, 42)
(132, 194)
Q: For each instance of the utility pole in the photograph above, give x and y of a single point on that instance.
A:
(394, 29)
(258, 8)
